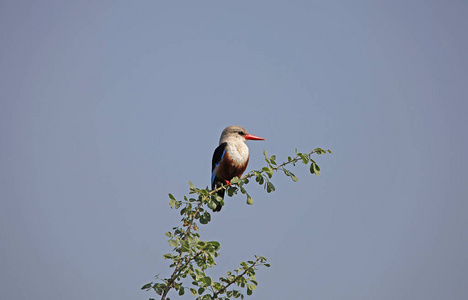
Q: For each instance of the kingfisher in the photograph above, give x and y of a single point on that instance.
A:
(230, 159)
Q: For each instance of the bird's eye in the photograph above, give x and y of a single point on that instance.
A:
(241, 133)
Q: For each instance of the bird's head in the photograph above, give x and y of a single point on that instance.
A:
(237, 134)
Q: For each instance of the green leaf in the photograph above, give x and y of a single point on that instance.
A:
(314, 169)
(320, 151)
(265, 153)
(168, 255)
(217, 286)
(158, 288)
(147, 286)
(184, 246)
(205, 218)
(173, 243)
(168, 234)
(181, 291)
(235, 180)
(304, 157)
(201, 290)
(212, 204)
(249, 200)
(191, 185)
(172, 203)
(273, 159)
(193, 291)
(268, 171)
(259, 179)
(215, 244)
(242, 190)
(231, 191)
(293, 177)
(172, 197)
(270, 187)
(207, 281)
(252, 287)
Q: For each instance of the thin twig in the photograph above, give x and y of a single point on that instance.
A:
(221, 291)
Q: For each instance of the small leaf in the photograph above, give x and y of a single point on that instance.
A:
(249, 200)
(314, 169)
(216, 245)
(191, 185)
(172, 203)
(185, 247)
(146, 286)
(193, 291)
(168, 234)
(172, 197)
(259, 179)
(232, 191)
(304, 157)
(269, 171)
(173, 243)
(235, 180)
(207, 281)
(242, 190)
(273, 159)
(293, 177)
(181, 291)
(205, 218)
(212, 204)
(270, 187)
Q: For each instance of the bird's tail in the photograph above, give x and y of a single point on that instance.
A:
(218, 204)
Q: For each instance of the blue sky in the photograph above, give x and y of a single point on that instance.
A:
(108, 106)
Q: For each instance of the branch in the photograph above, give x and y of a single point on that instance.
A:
(223, 289)
(186, 240)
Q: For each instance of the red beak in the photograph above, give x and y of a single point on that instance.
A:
(252, 137)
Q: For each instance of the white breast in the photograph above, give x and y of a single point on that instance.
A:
(239, 152)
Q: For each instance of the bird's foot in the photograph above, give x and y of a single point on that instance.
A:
(227, 182)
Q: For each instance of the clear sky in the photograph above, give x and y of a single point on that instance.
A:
(108, 106)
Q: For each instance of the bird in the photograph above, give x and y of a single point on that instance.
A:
(230, 158)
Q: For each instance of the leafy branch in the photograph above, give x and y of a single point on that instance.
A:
(193, 256)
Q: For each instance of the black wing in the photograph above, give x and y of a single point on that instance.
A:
(217, 157)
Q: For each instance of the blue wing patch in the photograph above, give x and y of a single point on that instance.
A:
(217, 157)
